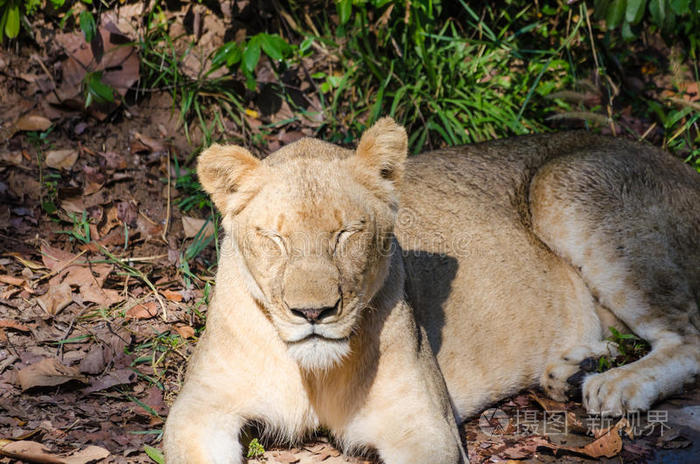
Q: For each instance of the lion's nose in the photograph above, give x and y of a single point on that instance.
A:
(314, 315)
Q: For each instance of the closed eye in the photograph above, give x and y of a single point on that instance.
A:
(342, 235)
(274, 238)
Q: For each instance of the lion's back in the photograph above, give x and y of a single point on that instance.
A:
(477, 268)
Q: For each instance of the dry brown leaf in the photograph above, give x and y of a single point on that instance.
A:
(185, 331)
(672, 439)
(94, 233)
(12, 157)
(287, 137)
(547, 404)
(192, 226)
(90, 454)
(90, 279)
(12, 280)
(47, 373)
(126, 18)
(29, 451)
(115, 237)
(323, 451)
(128, 212)
(73, 205)
(118, 377)
(573, 423)
(10, 324)
(384, 18)
(56, 298)
(94, 362)
(147, 228)
(284, 113)
(172, 295)
(285, 457)
(524, 448)
(608, 445)
(33, 122)
(143, 310)
(71, 271)
(112, 220)
(23, 185)
(61, 159)
(92, 187)
(152, 144)
(119, 62)
(32, 451)
(114, 160)
(55, 259)
(26, 262)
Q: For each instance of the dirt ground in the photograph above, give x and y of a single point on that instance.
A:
(100, 309)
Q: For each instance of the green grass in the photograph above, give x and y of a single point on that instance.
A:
(48, 178)
(455, 83)
(155, 454)
(155, 351)
(81, 228)
(192, 197)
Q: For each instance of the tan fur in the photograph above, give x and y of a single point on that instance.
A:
(441, 283)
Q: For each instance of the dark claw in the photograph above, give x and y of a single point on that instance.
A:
(589, 364)
(576, 381)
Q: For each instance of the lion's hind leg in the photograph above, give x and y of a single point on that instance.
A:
(628, 222)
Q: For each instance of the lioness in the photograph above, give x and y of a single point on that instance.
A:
(387, 298)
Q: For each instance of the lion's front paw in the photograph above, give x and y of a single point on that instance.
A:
(617, 391)
(563, 378)
(196, 435)
(556, 380)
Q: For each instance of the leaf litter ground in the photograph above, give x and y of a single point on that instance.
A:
(99, 312)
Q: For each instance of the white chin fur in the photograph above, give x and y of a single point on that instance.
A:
(317, 354)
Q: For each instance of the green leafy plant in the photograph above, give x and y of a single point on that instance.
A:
(674, 18)
(245, 57)
(10, 18)
(155, 454)
(629, 346)
(13, 11)
(87, 25)
(95, 90)
(255, 449)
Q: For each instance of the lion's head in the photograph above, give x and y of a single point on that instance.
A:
(310, 231)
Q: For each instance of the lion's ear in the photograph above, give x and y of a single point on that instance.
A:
(383, 149)
(221, 170)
